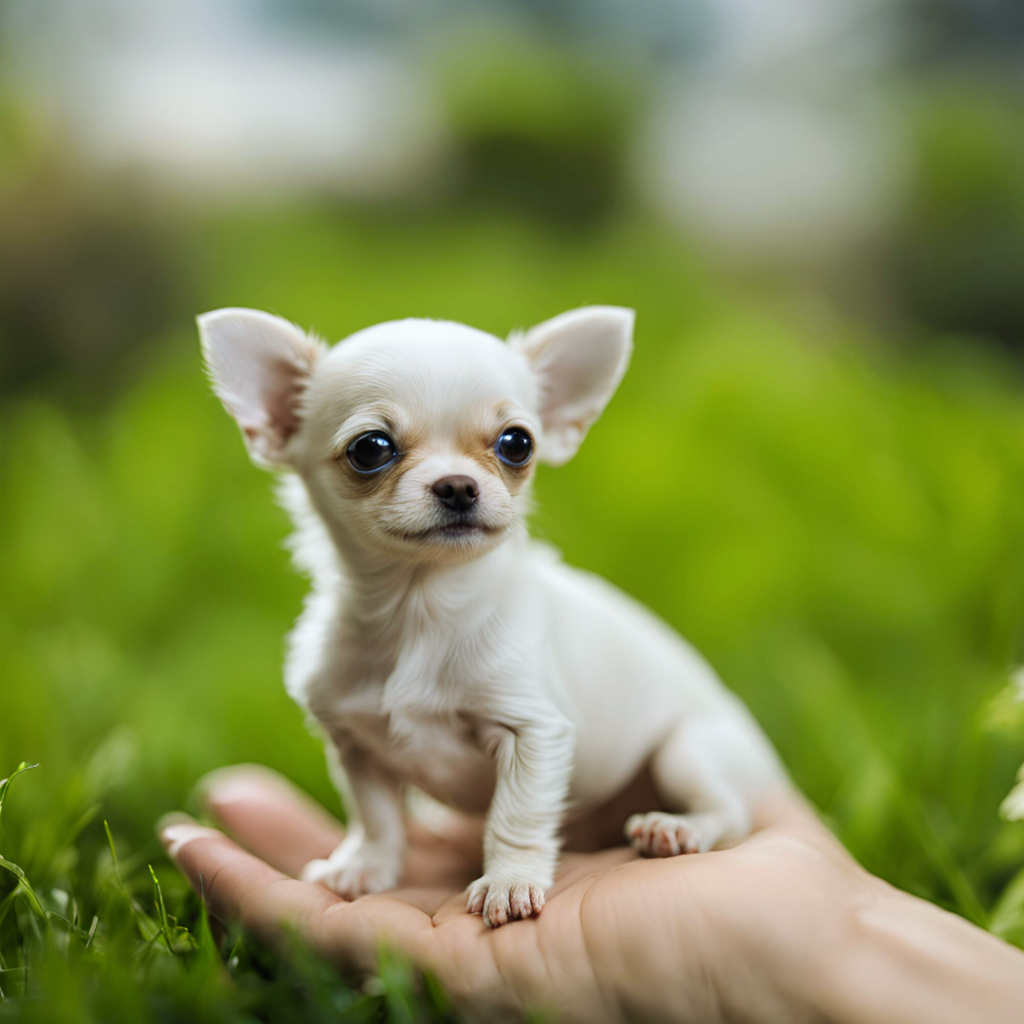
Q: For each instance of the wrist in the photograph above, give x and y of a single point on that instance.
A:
(793, 969)
(903, 960)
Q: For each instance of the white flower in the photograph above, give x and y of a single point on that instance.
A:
(1012, 808)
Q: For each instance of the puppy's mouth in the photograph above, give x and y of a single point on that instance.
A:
(454, 529)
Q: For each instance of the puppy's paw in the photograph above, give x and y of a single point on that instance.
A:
(658, 834)
(355, 869)
(505, 899)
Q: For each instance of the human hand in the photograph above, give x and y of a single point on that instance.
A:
(764, 931)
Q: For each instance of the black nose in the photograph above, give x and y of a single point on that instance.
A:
(458, 493)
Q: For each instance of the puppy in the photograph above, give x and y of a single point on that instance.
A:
(440, 647)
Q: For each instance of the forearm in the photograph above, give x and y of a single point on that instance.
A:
(533, 768)
(910, 961)
(896, 959)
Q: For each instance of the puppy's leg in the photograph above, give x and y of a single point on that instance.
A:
(534, 767)
(370, 857)
(711, 768)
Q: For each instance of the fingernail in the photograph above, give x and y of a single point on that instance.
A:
(176, 830)
(173, 818)
(237, 784)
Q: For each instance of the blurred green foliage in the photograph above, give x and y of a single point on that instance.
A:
(552, 145)
(954, 255)
(838, 527)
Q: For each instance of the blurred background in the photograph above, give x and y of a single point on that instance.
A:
(816, 207)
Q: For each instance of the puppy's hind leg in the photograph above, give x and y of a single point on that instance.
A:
(708, 772)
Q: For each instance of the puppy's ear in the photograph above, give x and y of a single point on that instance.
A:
(259, 365)
(579, 359)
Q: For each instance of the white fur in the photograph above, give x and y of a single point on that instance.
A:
(478, 668)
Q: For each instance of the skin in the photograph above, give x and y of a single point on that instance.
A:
(784, 926)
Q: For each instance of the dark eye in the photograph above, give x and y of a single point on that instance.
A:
(371, 452)
(514, 447)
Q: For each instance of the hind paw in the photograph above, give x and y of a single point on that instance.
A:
(659, 834)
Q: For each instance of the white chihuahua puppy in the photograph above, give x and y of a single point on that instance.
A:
(440, 646)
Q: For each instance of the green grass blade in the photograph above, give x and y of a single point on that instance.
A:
(1007, 919)
(5, 785)
(161, 911)
(113, 853)
(25, 888)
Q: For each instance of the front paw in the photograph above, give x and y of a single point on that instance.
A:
(355, 869)
(505, 899)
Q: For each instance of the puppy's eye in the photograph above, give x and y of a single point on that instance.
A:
(514, 447)
(371, 452)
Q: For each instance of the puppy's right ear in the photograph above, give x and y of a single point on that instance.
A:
(260, 366)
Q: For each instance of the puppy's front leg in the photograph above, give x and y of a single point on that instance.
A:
(534, 768)
(370, 857)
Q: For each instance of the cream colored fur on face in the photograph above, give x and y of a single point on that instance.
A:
(475, 666)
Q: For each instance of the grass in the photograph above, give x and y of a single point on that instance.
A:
(840, 528)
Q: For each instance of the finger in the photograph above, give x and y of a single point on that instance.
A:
(442, 940)
(270, 816)
(431, 822)
(445, 846)
(278, 822)
(237, 886)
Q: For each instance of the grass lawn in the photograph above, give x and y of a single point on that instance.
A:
(838, 527)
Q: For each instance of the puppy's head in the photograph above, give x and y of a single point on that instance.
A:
(417, 439)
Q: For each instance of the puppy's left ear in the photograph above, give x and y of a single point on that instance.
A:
(260, 365)
(578, 359)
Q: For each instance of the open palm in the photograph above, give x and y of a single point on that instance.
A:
(693, 938)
